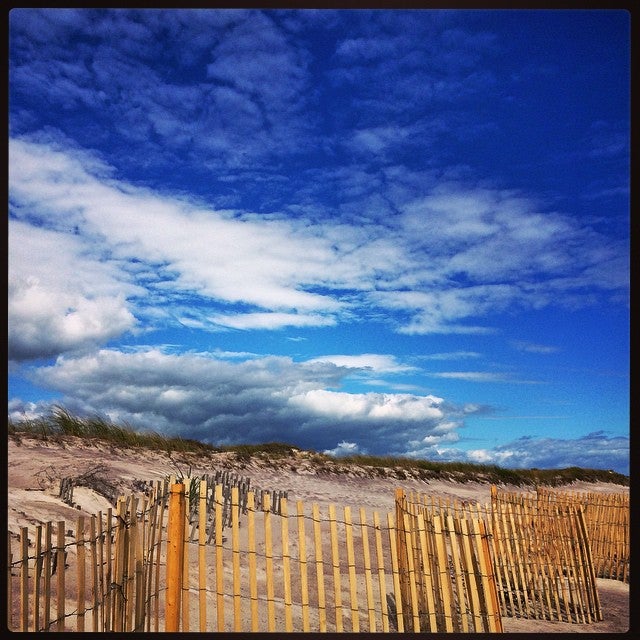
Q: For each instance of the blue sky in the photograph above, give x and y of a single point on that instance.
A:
(394, 232)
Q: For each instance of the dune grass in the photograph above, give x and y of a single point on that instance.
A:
(60, 424)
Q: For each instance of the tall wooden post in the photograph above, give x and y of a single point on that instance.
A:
(403, 559)
(175, 556)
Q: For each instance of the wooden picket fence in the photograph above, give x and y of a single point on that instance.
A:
(607, 518)
(446, 570)
(540, 549)
(213, 554)
(143, 566)
(543, 558)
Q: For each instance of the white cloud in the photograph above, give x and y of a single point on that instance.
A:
(593, 451)
(18, 410)
(271, 320)
(375, 362)
(437, 311)
(218, 398)
(60, 299)
(212, 253)
(344, 449)
(452, 355)
(532, 347)
(370, 406)
(487, 456)
(266, 271)
(474, 376)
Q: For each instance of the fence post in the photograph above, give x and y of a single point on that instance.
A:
(60, 569)
(9, 586)
(403, 561)
(175, 555)
(81, 572)
(24, 579)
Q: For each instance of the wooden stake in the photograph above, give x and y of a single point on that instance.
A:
(219, 505)
(382, 582)
(81, 572)
(36, 579)
(60, 571)
(304, 581)
(235, 557)
(317, 536)
(335, 560)
(202, 561)
(268, 544)
(24, 579)
(351, 565)
(253, 584)
(367, 570)
(397, 588)
(175, 554)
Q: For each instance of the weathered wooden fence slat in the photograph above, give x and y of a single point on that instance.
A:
(319, 566)
(542, 550)
(286, 566)
(382, 580)
(253, 584)
(304, 574)
(364, 530)
(335, 563)
(61, 567)
(24, 579)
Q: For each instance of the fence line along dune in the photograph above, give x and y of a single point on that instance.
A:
(192, 555)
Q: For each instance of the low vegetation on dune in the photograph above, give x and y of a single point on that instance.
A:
(60, 425)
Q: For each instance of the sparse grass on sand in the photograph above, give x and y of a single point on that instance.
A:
(61, 423)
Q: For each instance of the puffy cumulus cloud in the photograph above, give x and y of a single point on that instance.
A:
(344, 449)
(370, 406)
(59, 298)
(222, 400)
(42, 323)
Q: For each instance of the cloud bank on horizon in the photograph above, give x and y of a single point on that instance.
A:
(388, 232)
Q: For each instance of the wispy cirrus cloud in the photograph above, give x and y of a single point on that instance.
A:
(450, 355)
(374, 362)
(269, 320)
(531, 347)
(481, 376)
(271, 271)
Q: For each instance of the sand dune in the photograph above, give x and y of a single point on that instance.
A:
(35, 468)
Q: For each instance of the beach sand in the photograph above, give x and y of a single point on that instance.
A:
(35, 468)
